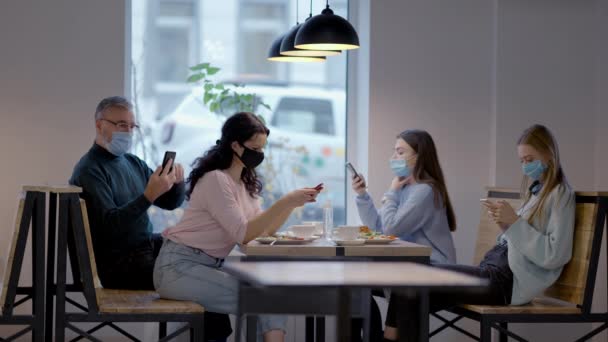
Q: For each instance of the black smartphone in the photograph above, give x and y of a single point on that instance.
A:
(352, 170)
(169, 155)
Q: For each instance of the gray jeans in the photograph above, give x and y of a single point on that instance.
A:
(186, 273)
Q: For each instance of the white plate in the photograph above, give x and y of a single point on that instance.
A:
(265, 240)
(379, 241)
(293, 242)
(356, 242)
(269, 240)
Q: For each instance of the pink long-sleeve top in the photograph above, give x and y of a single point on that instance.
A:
(216, 219)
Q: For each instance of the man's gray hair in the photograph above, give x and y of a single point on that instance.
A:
(112, 102)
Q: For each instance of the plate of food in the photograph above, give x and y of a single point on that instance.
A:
(375, 238)
(356, 242)
(283, 240)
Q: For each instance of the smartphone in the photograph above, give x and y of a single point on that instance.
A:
(486, 201)
(351, 168)
(169, 155)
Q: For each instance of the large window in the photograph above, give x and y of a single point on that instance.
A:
(307, 115)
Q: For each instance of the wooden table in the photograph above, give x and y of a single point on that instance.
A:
(265, 286)
(398, 251)
(323, 250)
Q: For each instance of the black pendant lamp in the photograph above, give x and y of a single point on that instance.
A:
(275, 54)
(327, 31)
(288, 48)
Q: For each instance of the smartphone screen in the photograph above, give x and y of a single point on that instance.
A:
(168, 156)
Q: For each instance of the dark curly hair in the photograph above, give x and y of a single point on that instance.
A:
(240, 127)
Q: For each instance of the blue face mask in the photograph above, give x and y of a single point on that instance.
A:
(400, 168)
(120, 144)
(534, 169)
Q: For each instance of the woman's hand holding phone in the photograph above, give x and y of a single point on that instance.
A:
(359, 185)
(501, 213)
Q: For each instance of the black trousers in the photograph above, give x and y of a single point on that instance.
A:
(494, 267)
(134, 272)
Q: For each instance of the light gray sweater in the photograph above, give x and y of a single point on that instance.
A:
(411, 214)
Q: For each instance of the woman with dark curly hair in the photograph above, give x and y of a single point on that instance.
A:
(224, 211)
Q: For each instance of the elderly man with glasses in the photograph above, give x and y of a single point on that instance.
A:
(118, 188)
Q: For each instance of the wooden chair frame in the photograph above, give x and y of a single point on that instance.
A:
(73, 222)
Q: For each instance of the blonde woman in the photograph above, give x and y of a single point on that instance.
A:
(535, 244)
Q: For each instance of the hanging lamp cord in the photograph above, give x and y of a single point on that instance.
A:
(310, 14)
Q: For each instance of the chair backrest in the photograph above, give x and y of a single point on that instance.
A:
(573, 284)
(89, 244)
(9, 262)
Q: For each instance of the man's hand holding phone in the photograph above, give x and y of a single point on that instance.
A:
(164, 177)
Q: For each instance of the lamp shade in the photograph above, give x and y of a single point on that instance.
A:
(327, 31)
(274, 54)
(288, 48)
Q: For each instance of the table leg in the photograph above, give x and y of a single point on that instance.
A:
(50, 267)
(309, 329)
(320, 328)
(366, 305)
(343, 317)
(423, 314)
(38, 227)
(252, 328)
(62, 257)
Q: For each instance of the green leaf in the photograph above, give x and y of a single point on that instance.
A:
(200, 66)
(207, 97)
(208, 87)
(248, 98)
(212, 71)
(195, 78)
(224, 92)
(214, 107)
(265, 105)
(219, 86)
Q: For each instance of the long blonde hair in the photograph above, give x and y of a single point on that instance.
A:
(540, 138)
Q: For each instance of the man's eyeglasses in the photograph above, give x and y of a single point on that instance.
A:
(122, 125)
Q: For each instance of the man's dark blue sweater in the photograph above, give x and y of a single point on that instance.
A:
(113, 188)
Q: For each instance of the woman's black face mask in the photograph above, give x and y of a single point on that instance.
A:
(250, 158)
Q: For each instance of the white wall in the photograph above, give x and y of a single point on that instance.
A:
(545, 74)
(475, 74)
(58, 59)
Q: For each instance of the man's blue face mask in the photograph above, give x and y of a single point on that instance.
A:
(120, 144)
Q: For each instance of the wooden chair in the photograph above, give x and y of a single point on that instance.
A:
(30, 210)
(569, 299)
(105, 305)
